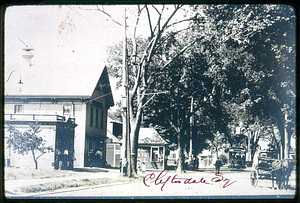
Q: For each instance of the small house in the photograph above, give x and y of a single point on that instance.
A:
(151, 147)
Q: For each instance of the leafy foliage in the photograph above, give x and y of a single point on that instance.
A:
(240, 68)
(27, 141)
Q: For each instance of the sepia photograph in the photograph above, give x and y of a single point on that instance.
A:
(163, 101)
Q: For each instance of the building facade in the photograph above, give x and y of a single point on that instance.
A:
(57, 133)
(82, 98)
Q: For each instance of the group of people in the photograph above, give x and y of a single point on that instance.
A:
(95, 159)
(63, 161)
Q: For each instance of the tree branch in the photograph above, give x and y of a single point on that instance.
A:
(149, 21)
(170, 17)
(107, 14)
(159, 13)
(172, 124)
(177, 22)
(172, 35)
(138, 70)
(137, 20)
(180, 52)
(40, 155)
(159, 19)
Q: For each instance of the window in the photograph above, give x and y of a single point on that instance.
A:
(92, 117)
(102, 119)
(18, 109)
(97, 117)
(67, 111)
(154, 154)
(157, 154)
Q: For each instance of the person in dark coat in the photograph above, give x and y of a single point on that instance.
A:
(91, 157)
(120, 165)
(218, 165)
(58, 160)
(196, 163)
(65, 160)
(125, 166)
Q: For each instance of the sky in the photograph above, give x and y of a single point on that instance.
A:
(60, 36)
(66, 35)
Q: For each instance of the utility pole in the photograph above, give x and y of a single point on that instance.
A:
(129, 171)
(126, 146)
(124, 100)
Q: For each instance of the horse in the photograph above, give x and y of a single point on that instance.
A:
(281, 171)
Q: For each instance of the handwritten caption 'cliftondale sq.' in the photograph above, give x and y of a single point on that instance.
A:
(162, 179)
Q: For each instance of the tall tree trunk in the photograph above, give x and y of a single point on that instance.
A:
(135, 124)
(248, 147)
(254, 145)
(180, 155)
(286, 137)
(134, 145)
(280, 150)
(191, 133)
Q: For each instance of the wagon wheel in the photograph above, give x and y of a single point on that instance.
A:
(254, 178)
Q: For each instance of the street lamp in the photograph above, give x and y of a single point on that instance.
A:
(20, 80)
(28, 56)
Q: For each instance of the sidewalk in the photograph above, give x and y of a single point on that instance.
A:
(224, 168)
(14, 186)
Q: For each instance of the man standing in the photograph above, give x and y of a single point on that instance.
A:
(218, 165)
(196, 163)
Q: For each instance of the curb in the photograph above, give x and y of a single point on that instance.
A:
(38, 194)
(20, 194)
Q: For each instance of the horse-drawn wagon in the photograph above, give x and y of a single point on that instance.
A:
(273, 169)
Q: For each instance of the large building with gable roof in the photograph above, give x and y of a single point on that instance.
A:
(52, 96)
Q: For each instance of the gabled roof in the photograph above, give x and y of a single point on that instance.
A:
(150, 136)
(113, 118)
(147, 136)
(71, 80)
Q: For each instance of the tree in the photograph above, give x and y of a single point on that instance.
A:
(203, 73)
(273, 96)
(28, 141)
(265, 36)
(217, 143)
(231, 58)
(142, 61)
(171, 113)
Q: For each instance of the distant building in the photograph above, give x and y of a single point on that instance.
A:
(206, 158)
(114, 141)
(72, 94)
(152, 148)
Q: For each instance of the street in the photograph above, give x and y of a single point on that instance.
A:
(194, 184)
